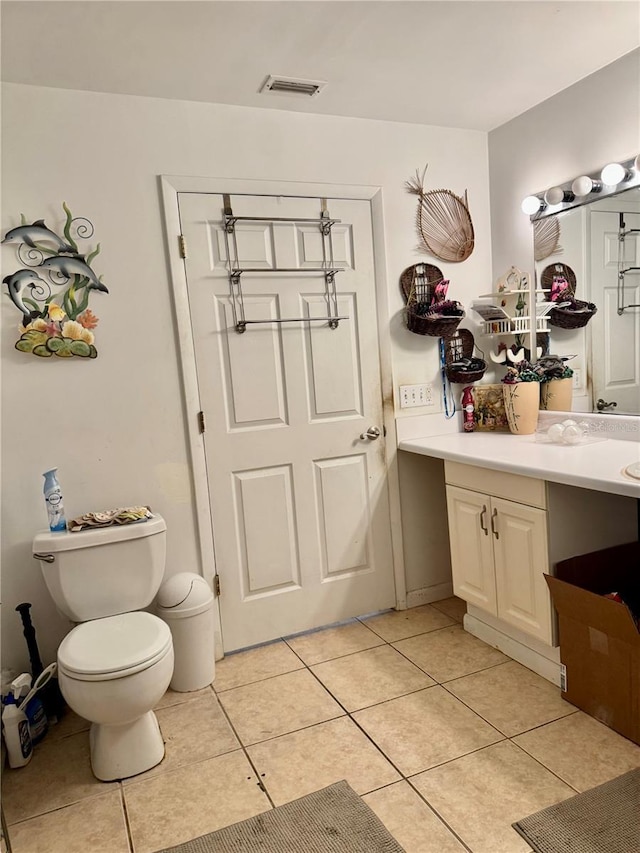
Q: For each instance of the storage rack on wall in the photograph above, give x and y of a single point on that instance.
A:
(623, 232)
(328, 268)
(513, 323)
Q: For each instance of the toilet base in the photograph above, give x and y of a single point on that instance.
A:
(118, 752)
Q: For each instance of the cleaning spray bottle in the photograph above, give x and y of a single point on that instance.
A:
(32, 707)
(468, 421)
(15, 728)
(53, 500)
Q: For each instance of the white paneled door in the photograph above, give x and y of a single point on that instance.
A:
(615, 337)
(299, 503)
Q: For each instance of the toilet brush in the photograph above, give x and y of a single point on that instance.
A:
(52, 699)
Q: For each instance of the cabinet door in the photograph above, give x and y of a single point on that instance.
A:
(471, 548)
(519, 536)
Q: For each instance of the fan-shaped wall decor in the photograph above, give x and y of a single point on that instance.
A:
(546, 238)
(443, 221)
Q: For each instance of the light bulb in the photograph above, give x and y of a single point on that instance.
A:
(556, 195)
(532, 204)
(614, 174)
(584, 185)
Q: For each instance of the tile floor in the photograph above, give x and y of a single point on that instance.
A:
(448, 740)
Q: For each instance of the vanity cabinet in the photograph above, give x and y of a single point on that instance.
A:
(499, 546)
(506, 531)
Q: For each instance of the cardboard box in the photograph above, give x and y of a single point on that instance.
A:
(599, 638)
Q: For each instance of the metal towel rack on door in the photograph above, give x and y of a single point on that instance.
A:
(328, 268)
(622, 233)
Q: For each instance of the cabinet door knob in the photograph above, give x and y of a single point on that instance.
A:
(494, 517)
(482, 523)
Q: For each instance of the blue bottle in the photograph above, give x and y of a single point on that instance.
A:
(53, 499)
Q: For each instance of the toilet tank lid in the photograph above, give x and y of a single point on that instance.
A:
(47, 542)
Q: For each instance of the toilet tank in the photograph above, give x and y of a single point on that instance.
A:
(103, 571)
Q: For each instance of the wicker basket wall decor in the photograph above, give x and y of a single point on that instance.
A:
(460, 365)
(572, 317)
(443, 221)
(428, 312)
(546, 238)
(557, 271)
(434, 325)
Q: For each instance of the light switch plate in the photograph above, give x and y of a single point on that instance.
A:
(416, 395)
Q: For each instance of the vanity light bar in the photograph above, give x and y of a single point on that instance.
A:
(600, 184)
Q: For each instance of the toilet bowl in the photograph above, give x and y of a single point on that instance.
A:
(112, 672)
(116, 664)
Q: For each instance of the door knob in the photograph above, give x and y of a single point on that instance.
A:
(601, 405)
(372, 433)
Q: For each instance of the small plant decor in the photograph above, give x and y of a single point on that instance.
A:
(521, 371)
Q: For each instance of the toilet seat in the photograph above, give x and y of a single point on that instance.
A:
(114, 647)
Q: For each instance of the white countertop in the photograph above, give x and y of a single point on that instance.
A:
(598, 465)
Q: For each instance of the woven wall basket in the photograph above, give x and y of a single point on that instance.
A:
(566, 318)
(557, 269)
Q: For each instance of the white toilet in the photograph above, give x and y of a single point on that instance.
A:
(115, 666)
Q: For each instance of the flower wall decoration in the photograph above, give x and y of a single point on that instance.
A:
(53, 287)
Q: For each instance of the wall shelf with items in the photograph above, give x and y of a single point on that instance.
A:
(505, 312)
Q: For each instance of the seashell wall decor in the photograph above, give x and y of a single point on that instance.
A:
(443, 221)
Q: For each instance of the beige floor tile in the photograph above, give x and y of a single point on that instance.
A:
(511, 697)
(192, 731)
(191, 801)
(424, 729)
(410, 820)
(58, 774)
(308, 760)
(481, 795)
(454, 607)
(277, 706)
(255, 665)
(173, 697)
(334, 642)
(70, 724)
(92, 826)
(581, 751)
(369, 677)
(400, 624)
(449, 653)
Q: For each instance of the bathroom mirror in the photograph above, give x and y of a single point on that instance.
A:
(599, 241)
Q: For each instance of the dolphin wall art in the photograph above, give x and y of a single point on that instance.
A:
(16, 283)
(36, 233)
(70, 266)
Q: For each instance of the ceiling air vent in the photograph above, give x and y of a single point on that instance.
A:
(292, 86)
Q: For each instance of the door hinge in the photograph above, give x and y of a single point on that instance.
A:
(183, 246)
(216, 585)
(201, 423)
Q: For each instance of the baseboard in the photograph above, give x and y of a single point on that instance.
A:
(429, 594)
(547, 665)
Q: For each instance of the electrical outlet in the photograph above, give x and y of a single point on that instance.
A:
(416, 395)
(577, 377)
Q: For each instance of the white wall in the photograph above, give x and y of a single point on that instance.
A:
(115, 426)
(594, 122)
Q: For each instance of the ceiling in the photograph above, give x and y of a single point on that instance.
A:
(453, 63)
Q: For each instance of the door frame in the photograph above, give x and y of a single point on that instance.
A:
(170, 187)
